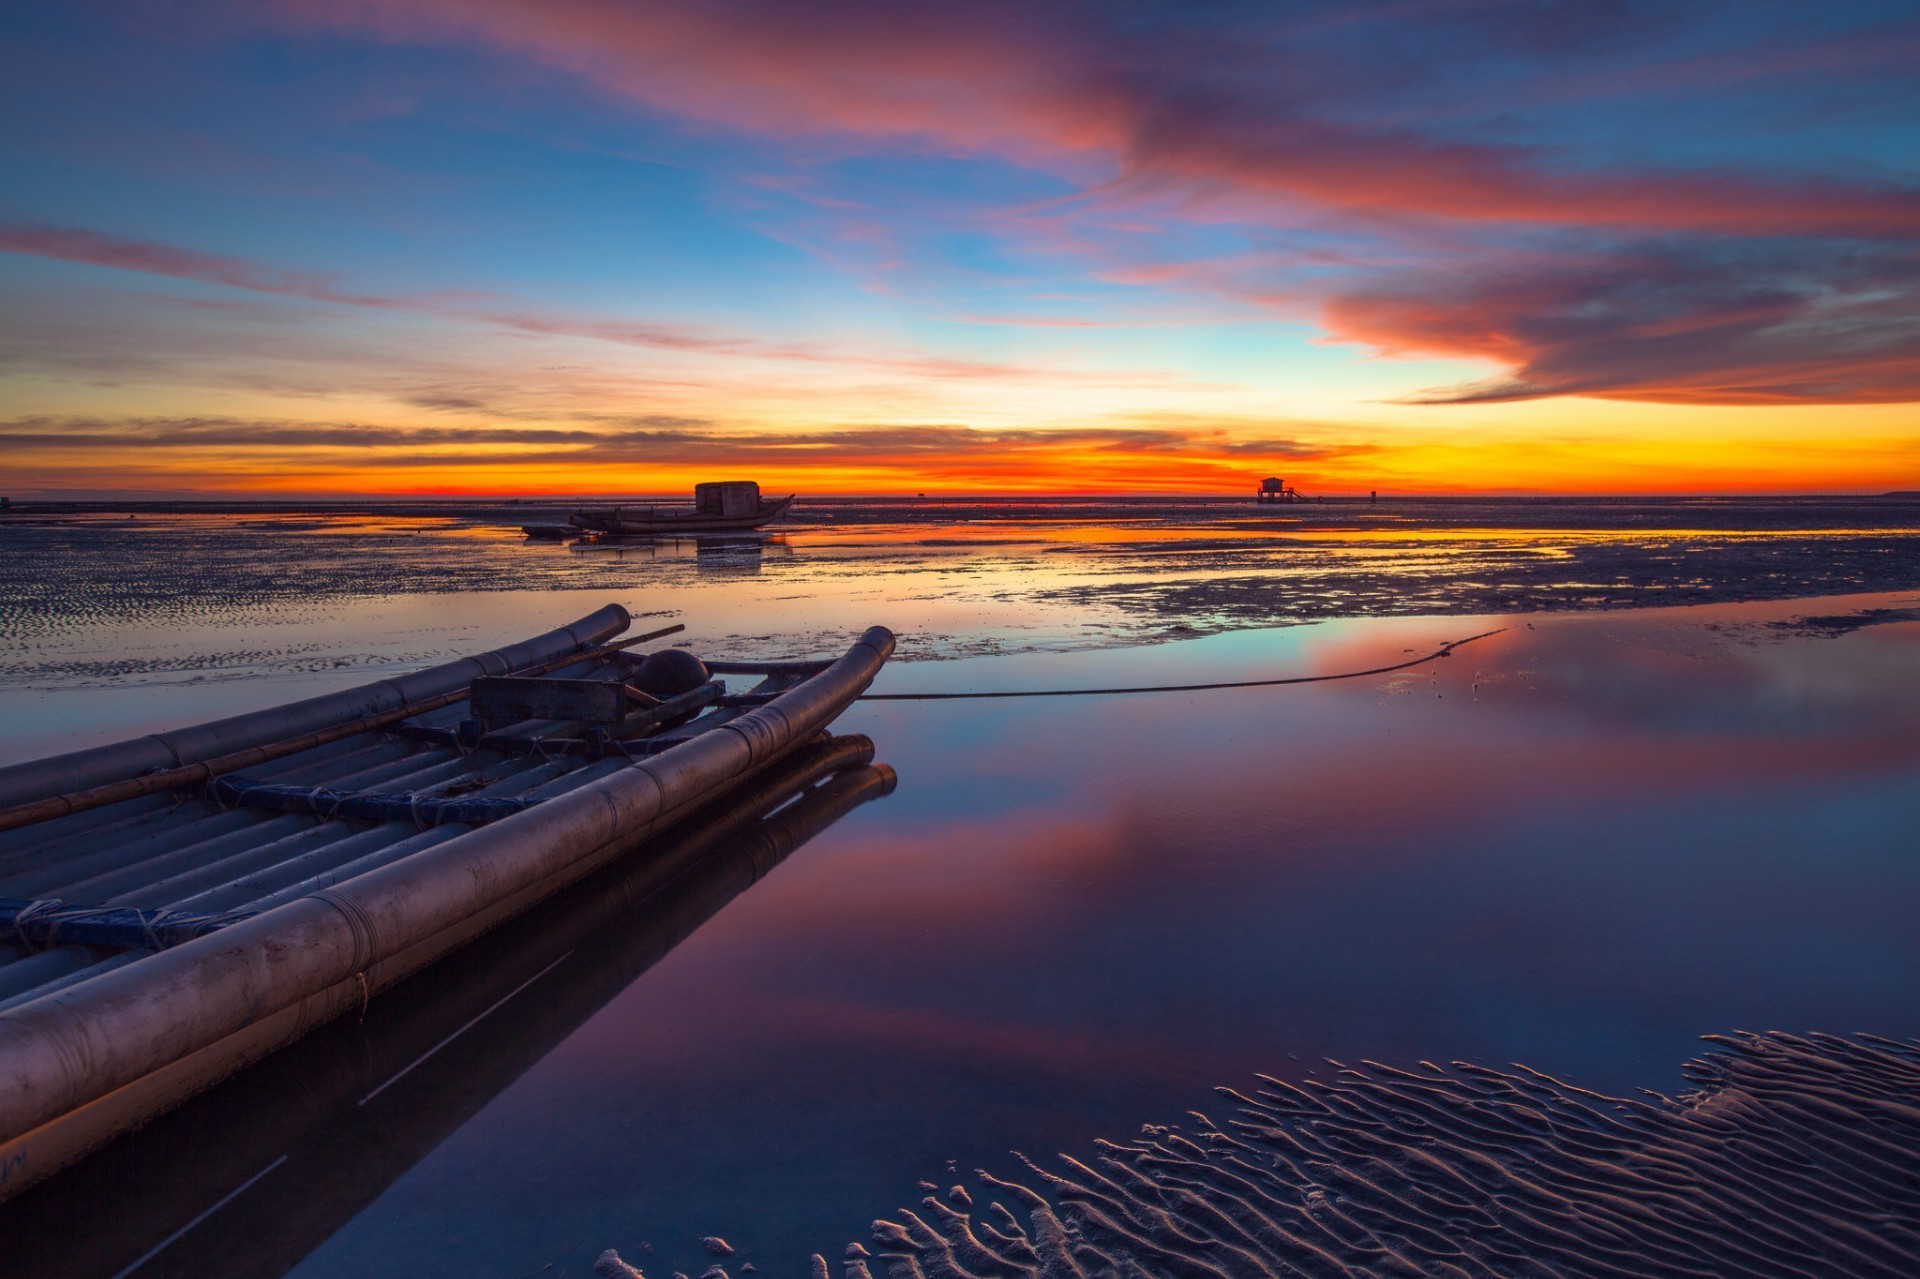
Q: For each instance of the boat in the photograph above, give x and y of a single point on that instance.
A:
(176, 906)
(720, 507)
(365, 1099)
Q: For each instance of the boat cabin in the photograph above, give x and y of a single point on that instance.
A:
(727, 498)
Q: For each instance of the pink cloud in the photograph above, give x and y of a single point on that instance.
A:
(1397, 172)
(1026, 83)
(988, 76)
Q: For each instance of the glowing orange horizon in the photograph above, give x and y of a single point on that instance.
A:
(1059, 477)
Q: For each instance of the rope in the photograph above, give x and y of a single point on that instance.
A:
(48, 922)
(325, 803)
(34, 910)
(1445, 650)
(147, 922)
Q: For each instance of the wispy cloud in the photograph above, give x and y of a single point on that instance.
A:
(77, 244)
(643, 455)
(645, 439)
(72, 244)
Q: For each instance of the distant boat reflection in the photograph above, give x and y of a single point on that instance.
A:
(250, 1178)
(730, 552)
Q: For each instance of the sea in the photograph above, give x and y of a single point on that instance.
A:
(1630, 773)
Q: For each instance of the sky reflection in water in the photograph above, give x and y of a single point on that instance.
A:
(1074, 916)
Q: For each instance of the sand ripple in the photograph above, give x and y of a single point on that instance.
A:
(1795, 1156)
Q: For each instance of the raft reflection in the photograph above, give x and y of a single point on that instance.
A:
(250, 1178)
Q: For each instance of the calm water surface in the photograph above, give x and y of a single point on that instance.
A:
(1578, 844)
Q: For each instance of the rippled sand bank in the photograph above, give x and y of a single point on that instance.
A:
(1795, 1156)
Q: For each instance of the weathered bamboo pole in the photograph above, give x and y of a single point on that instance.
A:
(193, 774)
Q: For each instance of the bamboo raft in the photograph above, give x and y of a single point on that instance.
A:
(308, 1139)
(177, 906)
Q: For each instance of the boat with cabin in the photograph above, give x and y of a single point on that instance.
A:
(176, 906)
(718, 507)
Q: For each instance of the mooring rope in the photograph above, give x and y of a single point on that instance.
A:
(1445, 650)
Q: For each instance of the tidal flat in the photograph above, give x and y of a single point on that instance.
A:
(1671, 795)
(109, 621)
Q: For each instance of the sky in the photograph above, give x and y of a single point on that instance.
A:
(524, 247)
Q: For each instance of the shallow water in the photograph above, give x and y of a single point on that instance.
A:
(1578, 844)
(110, 625)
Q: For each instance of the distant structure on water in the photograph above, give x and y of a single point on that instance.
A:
(1275, 489)
(718, 507)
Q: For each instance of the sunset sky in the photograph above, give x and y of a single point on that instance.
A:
(587, 246)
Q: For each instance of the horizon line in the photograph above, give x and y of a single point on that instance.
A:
(163, 497)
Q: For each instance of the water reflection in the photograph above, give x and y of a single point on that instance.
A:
(1634, 830)
(710, 552)
(272, 1163)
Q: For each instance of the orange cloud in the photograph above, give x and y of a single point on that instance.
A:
(646, 457)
